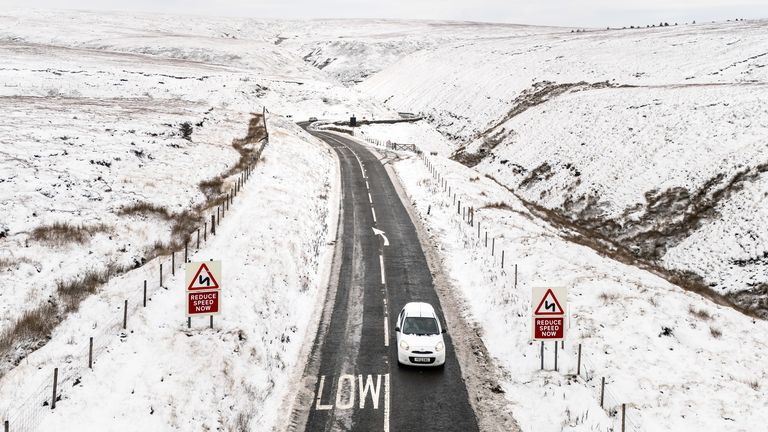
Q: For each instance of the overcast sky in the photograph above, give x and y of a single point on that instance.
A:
(598, 13)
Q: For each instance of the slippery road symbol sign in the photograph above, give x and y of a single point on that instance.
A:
(203, 276)
(549, 305)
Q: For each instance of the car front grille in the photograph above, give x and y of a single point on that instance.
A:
(422, 352)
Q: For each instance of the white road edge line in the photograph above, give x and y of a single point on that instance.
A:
(374, 214)
(386, 402)
(381, 262)
(386, 331)
(370, 199)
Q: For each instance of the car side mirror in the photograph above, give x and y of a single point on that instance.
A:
(397, 329)
(443, 331)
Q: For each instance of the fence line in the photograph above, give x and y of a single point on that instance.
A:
(464, 217)
(27, 414)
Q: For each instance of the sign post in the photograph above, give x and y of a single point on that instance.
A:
(549, 306)
(203, 288)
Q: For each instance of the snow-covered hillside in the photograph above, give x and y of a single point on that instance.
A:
(654, 138)
(352, 50)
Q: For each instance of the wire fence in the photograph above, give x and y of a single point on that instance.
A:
(473, 231)
(28, 408)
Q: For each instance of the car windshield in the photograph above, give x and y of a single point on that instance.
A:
(420, 326)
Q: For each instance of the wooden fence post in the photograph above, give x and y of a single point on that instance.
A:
(205, 231)
(55, 383)
(90, 353)
(578, 363)
(623, 417)
(493, 246)
(125, 315)
(502, 259)
(458, 208)
(6, 426)
(542, 355)
(173, 263)
(198, 238)
(145, 293)
(213, 224)
(478, 228)
(486, 239)
(186, 251)
(602, 392)
(161, 274)
(555, 351)
(515, 276)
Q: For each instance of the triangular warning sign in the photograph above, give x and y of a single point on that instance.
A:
(203, 280)
(549, 305)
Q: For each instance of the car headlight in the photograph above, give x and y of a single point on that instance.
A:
(439, 347)
(404, 345)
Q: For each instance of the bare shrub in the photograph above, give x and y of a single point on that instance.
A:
(700, 313)
(715, 332)
(62, 233)
(186, 131)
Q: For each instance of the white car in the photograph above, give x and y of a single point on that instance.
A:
(419, 336)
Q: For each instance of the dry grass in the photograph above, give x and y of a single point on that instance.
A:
(74, 291)
(34, 326)
(607, 297)
(700, 313)
(142, 208)
(501, 205)
(211, 188)
(62, 233)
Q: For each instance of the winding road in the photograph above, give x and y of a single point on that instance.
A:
(352, 376)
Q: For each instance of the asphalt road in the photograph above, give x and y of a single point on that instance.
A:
(359, 385)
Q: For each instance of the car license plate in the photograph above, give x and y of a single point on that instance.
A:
(422, 360)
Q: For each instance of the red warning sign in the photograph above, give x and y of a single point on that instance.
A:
(203, 280)
(548, 328)
(549, 305)
(203, 302)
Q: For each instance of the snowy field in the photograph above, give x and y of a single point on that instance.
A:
(655, 138)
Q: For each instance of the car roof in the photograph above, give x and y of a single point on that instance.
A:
(419, 309)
